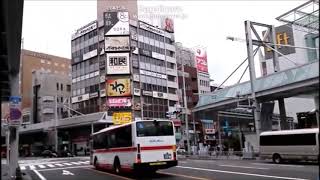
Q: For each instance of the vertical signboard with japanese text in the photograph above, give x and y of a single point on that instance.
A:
(118, 63)
(118, 87)
(201, 60)
(116, 23)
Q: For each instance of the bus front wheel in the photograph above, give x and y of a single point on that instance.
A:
(277, 158)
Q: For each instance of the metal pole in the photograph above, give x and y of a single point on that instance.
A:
(219, 131)
(252, 72)
(56, 125)
(14, 130)
(92, 128)
(7, 144)
(194, 130)
(186, 108)
(316, 102)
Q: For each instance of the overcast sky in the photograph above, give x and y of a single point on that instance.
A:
(48, 25)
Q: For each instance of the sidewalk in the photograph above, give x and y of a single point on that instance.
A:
(5, 172)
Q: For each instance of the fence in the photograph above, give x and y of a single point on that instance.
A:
(232, 155)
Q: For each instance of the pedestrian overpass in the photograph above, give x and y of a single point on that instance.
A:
(300, 80)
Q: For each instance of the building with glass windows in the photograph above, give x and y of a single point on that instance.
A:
(145, 69)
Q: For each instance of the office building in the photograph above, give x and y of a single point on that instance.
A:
(136, 80)
(50, 92)
(33, 61)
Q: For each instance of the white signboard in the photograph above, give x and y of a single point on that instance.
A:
(116, 23)
(118, 63)
(136, 91)
(84, 30)
(117, 43)
(151, 28)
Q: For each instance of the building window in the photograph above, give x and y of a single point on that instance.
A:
(61, 87)
(57, 86)
(68, 87)
(61, 99)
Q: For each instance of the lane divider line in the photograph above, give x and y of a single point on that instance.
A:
(110, 174)
(39, 175)
(181, 175)
(246, 167)
(241, 173)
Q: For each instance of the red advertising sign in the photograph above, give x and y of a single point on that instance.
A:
(119, 102)
(176, 122)
(201, 60)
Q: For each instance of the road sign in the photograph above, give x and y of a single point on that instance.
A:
(15, 111)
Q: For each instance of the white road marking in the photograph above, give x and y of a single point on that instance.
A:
(40, 175)
(41, 166)
(50, 165)
(76, 163)
(83, 162)
(59, 165)
(65, 172)
(246, 167)
(72, 167)
(240, 173)
(284, 165)
(68, 164)
(22, 167)
(32, 167)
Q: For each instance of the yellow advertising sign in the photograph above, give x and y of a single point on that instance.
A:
(118, 87)
(121, 117)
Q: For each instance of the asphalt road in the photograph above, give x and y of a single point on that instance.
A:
(79, 169)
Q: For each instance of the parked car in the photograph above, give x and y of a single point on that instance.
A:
(49, 153)
(181, 151)
(66, 154)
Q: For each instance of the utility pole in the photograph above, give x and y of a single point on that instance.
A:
(14, 130)
(56, 124)
(185, 108)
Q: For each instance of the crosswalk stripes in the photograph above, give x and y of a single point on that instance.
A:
(50, 165)
(41, 166)
(76, 163)
(53, 165)
(59, 165)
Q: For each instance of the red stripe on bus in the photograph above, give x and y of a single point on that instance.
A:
(124, 149)
(146, 148)
(130, 149)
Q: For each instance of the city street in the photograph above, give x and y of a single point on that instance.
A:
(79, 168)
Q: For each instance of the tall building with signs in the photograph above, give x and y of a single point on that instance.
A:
(129, 71)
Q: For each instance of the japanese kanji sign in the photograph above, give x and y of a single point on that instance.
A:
(118, 87)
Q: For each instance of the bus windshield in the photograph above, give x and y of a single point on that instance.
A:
(154, 128)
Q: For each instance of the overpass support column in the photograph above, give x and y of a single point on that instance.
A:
(316, 103)
(283, 116)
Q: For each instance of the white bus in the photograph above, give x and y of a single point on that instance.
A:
(299, 144)
(139, 145)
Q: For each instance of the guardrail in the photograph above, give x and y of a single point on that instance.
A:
(214, 155)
